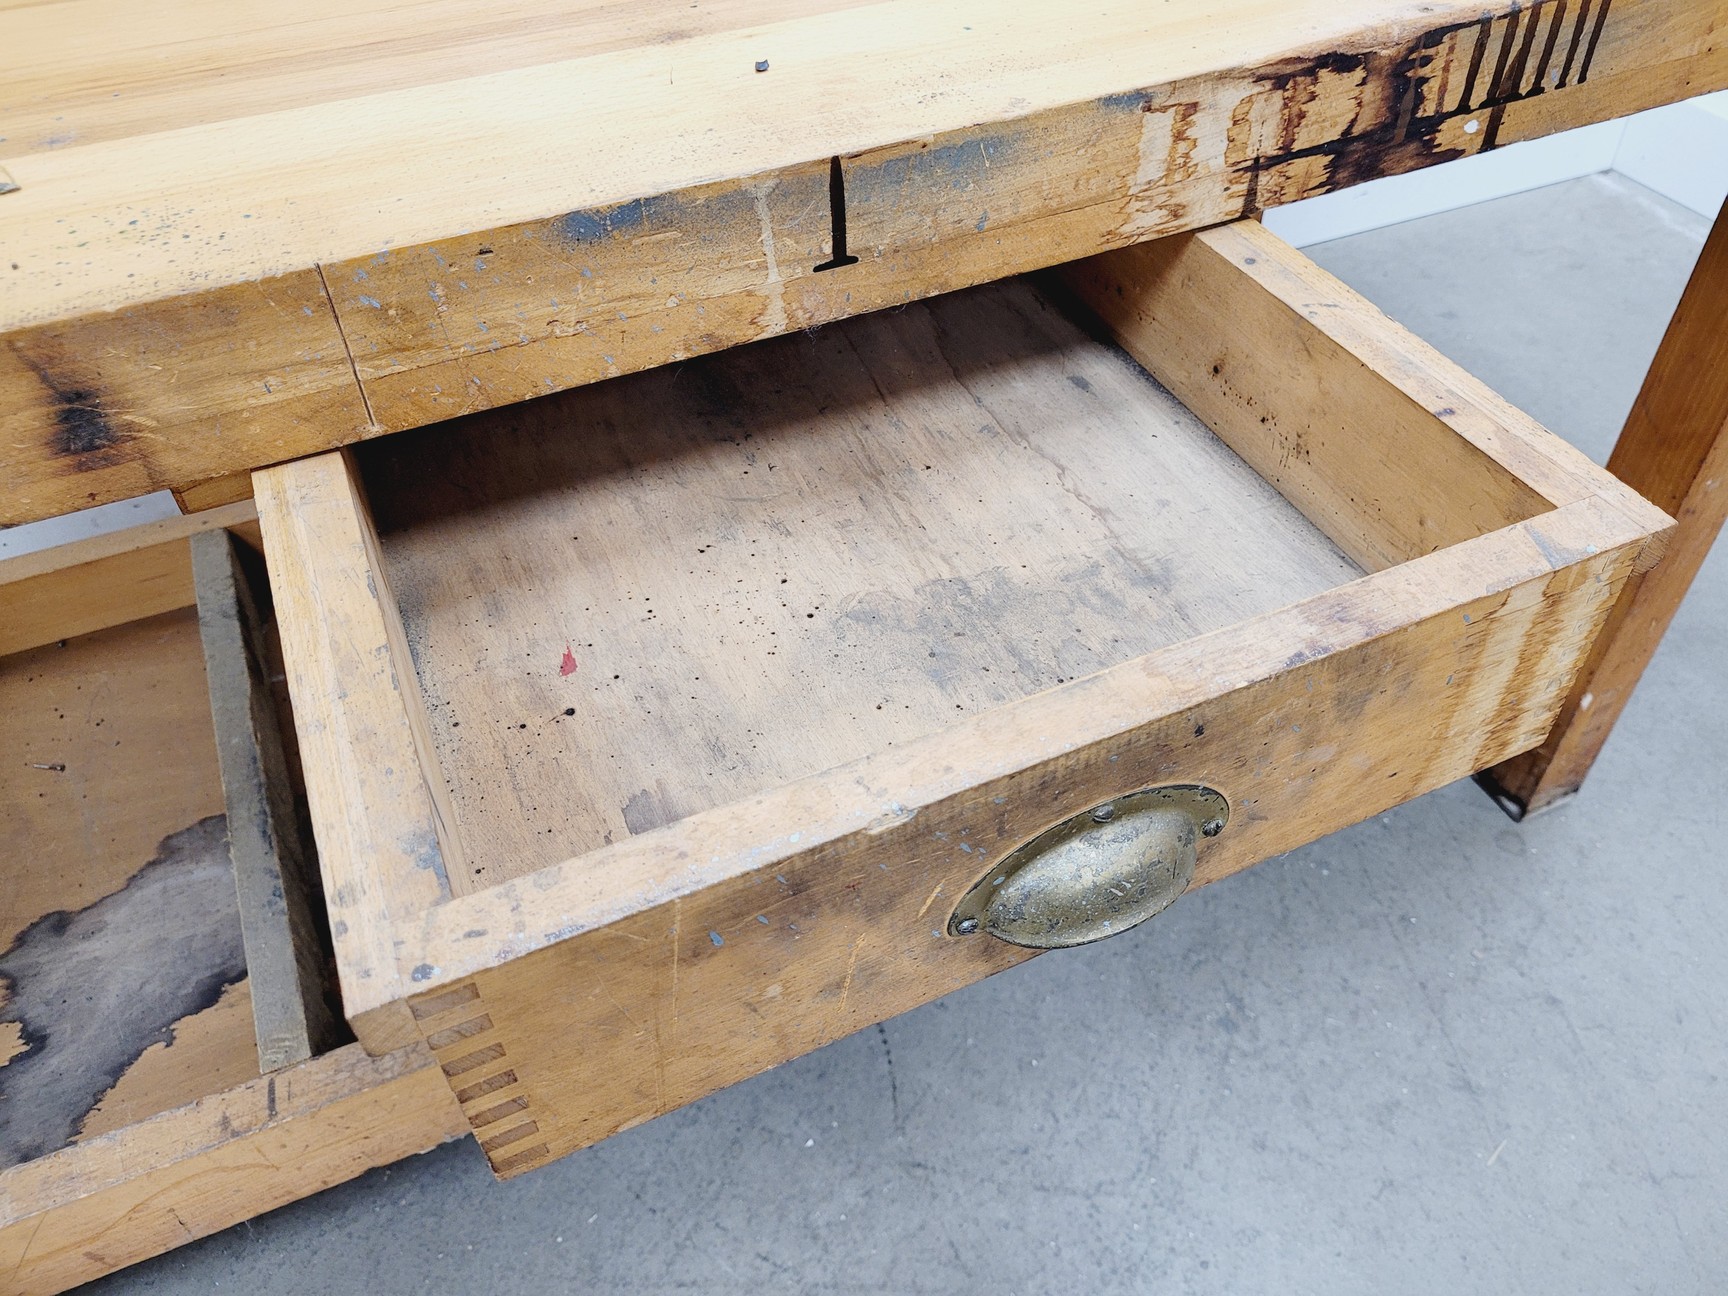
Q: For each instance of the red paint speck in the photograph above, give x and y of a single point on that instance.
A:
(568, 665)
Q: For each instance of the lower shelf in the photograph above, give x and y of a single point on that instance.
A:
(183, 1174)
(149, 978)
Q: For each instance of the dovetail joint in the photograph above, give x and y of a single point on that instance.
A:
(462, 1036)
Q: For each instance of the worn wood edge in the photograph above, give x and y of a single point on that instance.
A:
(408, 677)
(136, 1192)
(272, 870)
(1674, 449)
(587, 893)
(582, 1038)
(1555, 771)
(95, 548)
(1157, 198)
(523, 97)
(1474, 411)
(1631, 29)
(216, 492)
(372, 782)
(103, 581)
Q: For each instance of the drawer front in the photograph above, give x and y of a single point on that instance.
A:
(574, 1000)
(1319, 725)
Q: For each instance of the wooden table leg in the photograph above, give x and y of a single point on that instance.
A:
(1674, 451)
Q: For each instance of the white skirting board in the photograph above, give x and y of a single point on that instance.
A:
(1680, 151)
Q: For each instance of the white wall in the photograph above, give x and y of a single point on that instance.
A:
(1680, 151)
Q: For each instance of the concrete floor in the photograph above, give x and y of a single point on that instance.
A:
(1435, 1053)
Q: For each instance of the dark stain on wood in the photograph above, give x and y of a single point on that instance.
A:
(694, 210)
(649, 809)
(91, 990)
(82, 427)
(1403, 105)
(82, 430)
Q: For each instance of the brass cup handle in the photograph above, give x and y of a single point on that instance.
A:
(1099, 873)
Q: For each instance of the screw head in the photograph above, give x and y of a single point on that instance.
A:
(966, 926)
(1104, 813)
(1212, 827)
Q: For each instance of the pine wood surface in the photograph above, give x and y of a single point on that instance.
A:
(278, 234)
(601, 989)
(232, 1154)
(105, 580)
(1674, 451)
(658, 596)
(120, 946)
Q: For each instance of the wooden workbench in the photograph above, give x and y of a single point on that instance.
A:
(233, 237)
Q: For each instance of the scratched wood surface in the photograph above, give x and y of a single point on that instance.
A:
(287, 232)
(234, 1153)
(716, 938)
(652, 597)
(124, 981)
(597, 995)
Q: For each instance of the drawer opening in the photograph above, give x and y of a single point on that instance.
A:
(652, 729)
(126, 986)
(665, 594)
(649, 598)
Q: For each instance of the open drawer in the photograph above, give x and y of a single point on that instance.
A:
(657, 732)
(170, 1060)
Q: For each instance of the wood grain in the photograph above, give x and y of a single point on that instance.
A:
(1390, 450)
(136, 1192)
(216, 493)
(196, 295)
(103, 581)
(202, 1053)
(165, 395)
(665, 594)
(1674, 451)
(274, 866)
(606, 990)
(714, 940)
(385, 847)
(118, 927)
(109, 756)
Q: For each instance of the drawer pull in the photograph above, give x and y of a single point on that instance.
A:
(1099, 873)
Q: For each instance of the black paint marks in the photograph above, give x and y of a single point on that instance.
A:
(837, 218)
(1510, 60)
(91, 990)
